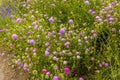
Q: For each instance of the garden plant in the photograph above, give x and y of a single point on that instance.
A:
(62, 39)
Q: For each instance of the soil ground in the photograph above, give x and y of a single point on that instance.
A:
(9, 73)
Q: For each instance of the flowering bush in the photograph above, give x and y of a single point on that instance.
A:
(61, 40)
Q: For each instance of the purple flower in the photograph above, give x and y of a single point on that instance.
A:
(3, 54)
(63, 39)
(92, 31)
(33, 23)
(55, 78)
(1, 30)
(47, 53)
(66, 70)
(47, 44)
(47, 73)
(81, 34)
(70, 21)
(31, 42)
(34, 50)
(94, 35)
(92, 11)
(5, 38)
(26, 49)
(13, 55)
(109, 18)
(119, 31)
(106, 64)
(110, 6)
(20, 64)
(51, 20)
(46, 16)
(103, 63)
(25, 66)
(113, 3)
(62, 31)
(110, 22)
(11, 45)
(98, 19)
(67, 44)
(81, 78)
(14, 36)
(19, 20)
(55, 58)
(100, 65)
(87, 42)
(69, 32)
(86, 2)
